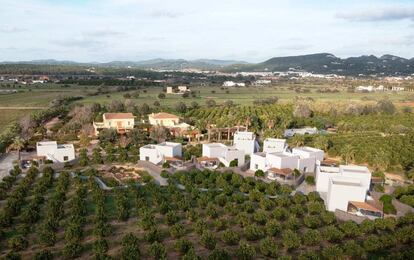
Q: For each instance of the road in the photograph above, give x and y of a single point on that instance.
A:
(6, 163)
(154, 171)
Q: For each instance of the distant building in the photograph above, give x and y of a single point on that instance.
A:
(262, 82)
(233, 84)
(163, 119)
(245, 141)
(397, 89)
(170, 90)
(159, 153)
(300, 131)
(122, 122)
(55, 152)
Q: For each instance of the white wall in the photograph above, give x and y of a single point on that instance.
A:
(339, 195)
(56, 153)
(146, 153)
(323, 175)
(307, 164)
(258, 160)
(271, 145)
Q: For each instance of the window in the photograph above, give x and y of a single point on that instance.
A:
(129, 123)
(256, 166)
(109, 123)
(65, 158)
(146, 158)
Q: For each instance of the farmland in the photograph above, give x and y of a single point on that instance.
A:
(75, 218)
(41, 96)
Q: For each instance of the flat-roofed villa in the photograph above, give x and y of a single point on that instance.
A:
(246, 142)
(346, 188)
(159, 153)
(121, 122)
(55, 152)
(274, 145)
(225, 154)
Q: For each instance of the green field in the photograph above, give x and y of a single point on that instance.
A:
(9, 116)
(40, 97)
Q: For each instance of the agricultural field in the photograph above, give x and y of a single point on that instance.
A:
(200, 214)
(10, 115)
(41, 96)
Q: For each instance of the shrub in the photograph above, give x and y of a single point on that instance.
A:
(219, 254)
(259, 173)
(157, 251)
(268, 247)
(166, 165)
(253, 232)
(234, 163)
(310, 180)
(245, 251)
(183, 245)
(208, 240)
(290, 239)
(230, 237)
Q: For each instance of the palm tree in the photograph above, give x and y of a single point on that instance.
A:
(18, 144)
(321, 143)
(348, 153)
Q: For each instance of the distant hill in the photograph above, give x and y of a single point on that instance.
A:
(319, 63)
(326, 63)
(166, 64)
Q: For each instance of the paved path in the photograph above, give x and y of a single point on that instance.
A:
(154, 171)
(6, 163)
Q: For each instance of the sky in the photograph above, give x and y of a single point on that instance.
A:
(249, 30)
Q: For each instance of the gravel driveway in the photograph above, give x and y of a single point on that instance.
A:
(6, 163)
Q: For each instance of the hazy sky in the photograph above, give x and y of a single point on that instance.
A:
(251, 30)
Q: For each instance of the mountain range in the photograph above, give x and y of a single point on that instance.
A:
(320, 63)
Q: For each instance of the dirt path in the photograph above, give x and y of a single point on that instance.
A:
(21, 108)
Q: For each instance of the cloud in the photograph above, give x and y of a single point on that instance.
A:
(103, 34)
(380, 14)
(12, 29)
(165, 14)
(79, 43)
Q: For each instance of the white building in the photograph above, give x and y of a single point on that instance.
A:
(160, 152)
(340, 185)
(233, 84)
(170, 90)
(183, 89)
(342, 190)
(324, 174)
(303, 159)
(309, 152)
(56, 152)
(397, 89)
(246, 141)
(274, 145)
(262, 82)
(223, 153)
(300, 131)
(365, 88)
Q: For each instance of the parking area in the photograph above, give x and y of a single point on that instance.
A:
(6, 163)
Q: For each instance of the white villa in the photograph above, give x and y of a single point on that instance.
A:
(245, 141)
(273, 145)
(303, 159)
(159, 153)
(122, 122)
(55, 152)
(222, 153)
(345, 188)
